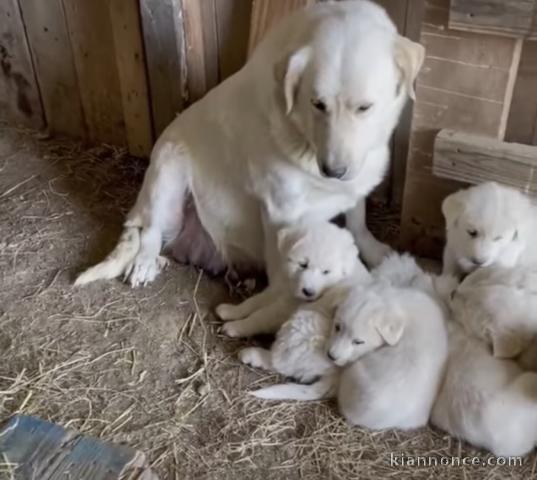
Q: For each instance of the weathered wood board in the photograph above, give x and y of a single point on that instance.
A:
(19, 94)
(474, 159)
(515, 18)
(54, 66)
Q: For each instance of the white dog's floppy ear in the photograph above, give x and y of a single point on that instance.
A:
(288, 237)
(409, 58)
(390, 327)
(289, 72)
(506, 344)
(452, 207)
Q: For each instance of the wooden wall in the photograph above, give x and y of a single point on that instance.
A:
(115, 71)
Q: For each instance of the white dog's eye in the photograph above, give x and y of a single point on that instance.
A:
(326, 272)
(498, 238)
(337, 327)
(357, 342)
(364, 108)
(303, 265)
(318, 104)
(472, 233)
(515, 235)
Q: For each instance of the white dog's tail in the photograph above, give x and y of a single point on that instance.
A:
(325, 387)
(117, 260)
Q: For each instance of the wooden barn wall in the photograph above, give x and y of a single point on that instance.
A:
(466, 84)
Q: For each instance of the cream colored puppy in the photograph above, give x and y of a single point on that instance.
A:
(311, 258)
(489, 402)
(300, 134)
(488, 224)
(499, 306)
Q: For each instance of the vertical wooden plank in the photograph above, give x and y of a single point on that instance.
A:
(130, 60)
(266, 13)
(19, 93)
(162, 23)
(522, 123)
(53, 60)
(233, 28)
(92, 42)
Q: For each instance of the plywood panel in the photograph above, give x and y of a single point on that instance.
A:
(92, 42)
(463, 86)
(522, 124)
(53, 60)
(130, 61)
(19, 94)
(162, 23)
(266, 13)
(233, 28)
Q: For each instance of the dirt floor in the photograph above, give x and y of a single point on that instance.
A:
(147, 367)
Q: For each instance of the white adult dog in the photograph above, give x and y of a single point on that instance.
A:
(487, 401)
(488, 224)
(311, 259)
(499, 306)
(300, 133)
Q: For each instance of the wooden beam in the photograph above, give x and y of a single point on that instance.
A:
(130, 59)
(162, 23)
(474, 159)
(92, 42)
(512, 18)
(19, 94)
(54, 65)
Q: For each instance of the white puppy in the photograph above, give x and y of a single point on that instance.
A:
(488, 224)
(300, 134)
(311, 258)
(484, 400)
(392, 345)
(499, 306)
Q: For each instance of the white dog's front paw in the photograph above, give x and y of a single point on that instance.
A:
(226, 311)
(375, 252)
(234, 329)
(252, 356)
(144, 269)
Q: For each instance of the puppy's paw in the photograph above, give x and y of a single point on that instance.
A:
(252, 356)
(144, 269)
(375, 253)
(226, 311)
(234, 329)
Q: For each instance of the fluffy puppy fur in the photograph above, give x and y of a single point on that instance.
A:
(487, 401)
(499, 306)
(488, 224)
(311, 258)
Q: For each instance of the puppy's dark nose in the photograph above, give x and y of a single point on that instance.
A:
(330, 356)
(333, 172)
(308, 293)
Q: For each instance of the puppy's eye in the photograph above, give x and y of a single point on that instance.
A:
(319, 104)
(337, 327)
(326, 272)
(472, 233)
(364, 108)
(498, 238)
(357, 342)
(515, 235)
(303, 265)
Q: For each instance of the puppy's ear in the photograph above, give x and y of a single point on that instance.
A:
(506, 344)
(452, 207)
(409, 58)
(289, 71)
(288, 237)
(390, 327)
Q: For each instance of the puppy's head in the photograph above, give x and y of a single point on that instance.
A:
(483, 222)
(365, 321)
(316, 257)
(344, 91)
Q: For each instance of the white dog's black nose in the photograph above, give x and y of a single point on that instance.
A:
(330, 356)
(478, 261)
(308, 293)
(333, 172)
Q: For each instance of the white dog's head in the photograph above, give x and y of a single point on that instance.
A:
(484, 224)
(366, 320)
(344, 91)
(316, 257)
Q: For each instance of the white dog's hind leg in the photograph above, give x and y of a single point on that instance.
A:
(256, 357)
(227, 311)
(371, 250)
(323, 388)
